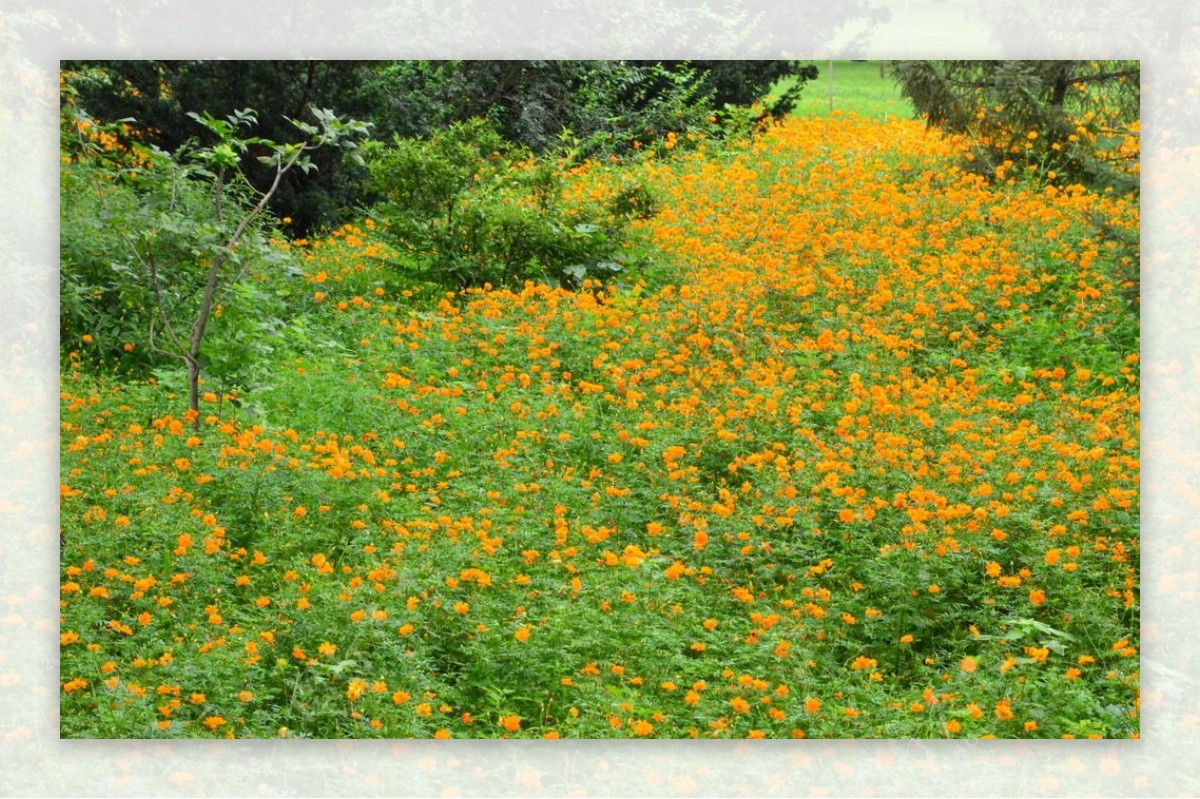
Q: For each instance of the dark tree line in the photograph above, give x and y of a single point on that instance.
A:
(594, 107)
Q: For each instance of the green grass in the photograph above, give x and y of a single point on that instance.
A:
(856, 88)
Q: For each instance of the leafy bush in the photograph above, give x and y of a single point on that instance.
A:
(462, 208)
(154, 245)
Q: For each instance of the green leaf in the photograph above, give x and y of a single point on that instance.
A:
(304, 127)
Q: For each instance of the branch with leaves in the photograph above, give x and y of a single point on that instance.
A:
(216, 241)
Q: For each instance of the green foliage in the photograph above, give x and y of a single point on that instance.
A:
(107, 197)
(161, 94)
(733, 84)
(605, 107)
(592, 108)
(464, 208)
(1070, 118)
(155, 244)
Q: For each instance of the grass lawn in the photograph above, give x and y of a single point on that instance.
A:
(857, 87)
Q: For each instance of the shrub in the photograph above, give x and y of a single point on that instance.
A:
(462, 209)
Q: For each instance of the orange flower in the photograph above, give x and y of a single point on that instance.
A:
(1037, 653)
(641, 727)
(512, 723)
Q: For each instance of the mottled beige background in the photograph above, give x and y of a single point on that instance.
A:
(35, 35)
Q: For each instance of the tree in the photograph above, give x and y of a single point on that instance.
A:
(603, 106)
(594, 107)
(743, 83)
(189, 225)
(1070, 119)
(160, 95)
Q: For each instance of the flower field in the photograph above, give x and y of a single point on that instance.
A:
(857, 457)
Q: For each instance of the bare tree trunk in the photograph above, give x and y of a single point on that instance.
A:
(193, 365)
